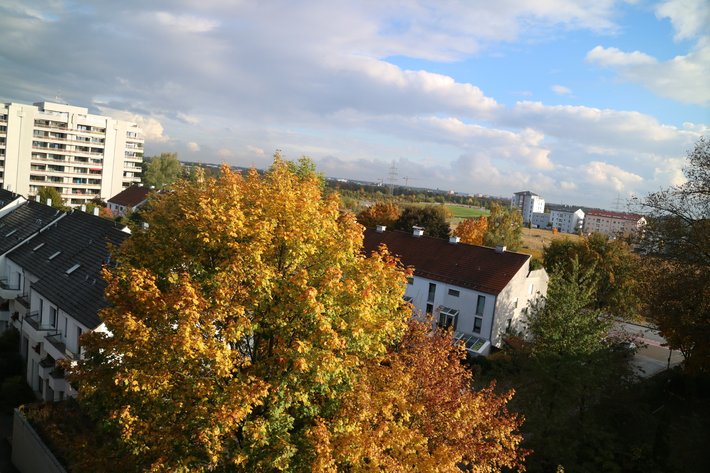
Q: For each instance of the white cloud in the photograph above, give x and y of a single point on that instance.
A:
(561, 89)
(255, 150)
(192, 146)
(609, 175)
(225, 153)
(185, 23)
(614, 57)
(189, 119)
(152, 128)
(690, 18)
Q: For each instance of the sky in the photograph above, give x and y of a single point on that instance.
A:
(583, 102)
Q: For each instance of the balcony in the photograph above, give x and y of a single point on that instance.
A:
(46, 365)
(8, 291)
(33, 327)
(57, 346)
(24, 301)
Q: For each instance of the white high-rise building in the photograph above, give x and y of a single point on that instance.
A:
(81, 155)
(528, 203)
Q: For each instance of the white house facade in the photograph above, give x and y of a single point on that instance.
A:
(479, 292)
(567, 220)
(613, 224)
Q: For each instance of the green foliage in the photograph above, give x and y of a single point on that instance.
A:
(616, 268)
(433, 218)
(505, 227)
(51, 193)
(563, 323)
(162, 170)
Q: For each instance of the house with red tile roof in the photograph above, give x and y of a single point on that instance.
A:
(480, 292)
(129, 198)
(613, 223)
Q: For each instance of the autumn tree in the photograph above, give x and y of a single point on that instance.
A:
(380, 213)
(427, 417)
(472, 230)
(239, 323)
(162, 170)
(433, 218)
(505, 227)
(615, 265)
(677, 279)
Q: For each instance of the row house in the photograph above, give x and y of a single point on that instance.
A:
(480, 293)
(613, 224)
(56, 275)
(128, 200)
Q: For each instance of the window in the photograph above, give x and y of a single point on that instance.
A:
(480, 305)
(477, 324)
(78, 340)
(53, 316)
(515, 303)
(448, 318)
(410, 280)
(454, 292)
(432, 292)
(430, 309)
(532, 288)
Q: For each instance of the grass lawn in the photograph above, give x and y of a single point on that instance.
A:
(462, 212)
(534, 239)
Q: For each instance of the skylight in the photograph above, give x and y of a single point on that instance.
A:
(11, 232)
(54, 255)
(38, 246)
(73, 268)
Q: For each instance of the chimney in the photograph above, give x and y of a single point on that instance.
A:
(49, 202)
(96, 211)
(145, 225)
(83, 207)
(500, 248)
(417, 231)
(381, 228)
(454, 239)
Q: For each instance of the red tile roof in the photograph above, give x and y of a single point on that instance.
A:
(130, 196)
(474, 267)
(610, 214)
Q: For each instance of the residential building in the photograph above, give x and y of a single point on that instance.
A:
(613, 223)
(541, 220)
(128, 200)
(17, 226)
(528, 203)
(59, 294)
(81, 155)
(567, 219)
(480, 292)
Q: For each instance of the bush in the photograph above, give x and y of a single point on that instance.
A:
(14, 392)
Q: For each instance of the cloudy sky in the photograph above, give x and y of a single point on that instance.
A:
(580, 101)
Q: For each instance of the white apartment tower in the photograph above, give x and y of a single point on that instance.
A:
(528, 203)
(54, 145)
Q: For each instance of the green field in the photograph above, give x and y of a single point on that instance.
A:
(465, 211)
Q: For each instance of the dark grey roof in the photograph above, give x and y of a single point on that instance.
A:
(23, 222)
(6, 197)
(77, 239)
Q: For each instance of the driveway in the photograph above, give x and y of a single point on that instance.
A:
(652, 357)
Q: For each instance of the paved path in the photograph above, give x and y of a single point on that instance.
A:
(652, 356)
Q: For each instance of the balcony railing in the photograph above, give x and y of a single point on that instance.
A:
(24, 300)
(34, 320)
(57, 341)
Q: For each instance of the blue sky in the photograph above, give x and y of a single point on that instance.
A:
(578, 101)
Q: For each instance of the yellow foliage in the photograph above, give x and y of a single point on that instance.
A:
(472, 230)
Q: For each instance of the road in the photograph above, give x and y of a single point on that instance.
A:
(652, 357)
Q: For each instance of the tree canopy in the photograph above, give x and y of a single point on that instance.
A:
(46, 193)
(616, 269)
(162, 170)
(505, 227)
(379, 213)
(433, 218)
(245, 324)
(472, 230)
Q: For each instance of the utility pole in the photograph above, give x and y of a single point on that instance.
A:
(392, 177)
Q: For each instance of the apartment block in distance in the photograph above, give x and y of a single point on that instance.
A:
(528, 203)
(81, 155)
(613, 224)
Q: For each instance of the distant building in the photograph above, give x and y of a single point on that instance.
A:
(528, 203)
(613, 223)
(567, 219)
(480, 292)
(541, 220)
(81, 155)
(129, 199)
